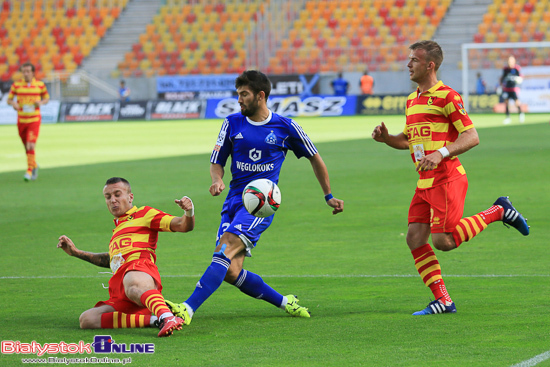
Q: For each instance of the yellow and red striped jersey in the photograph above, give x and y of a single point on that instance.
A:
(435, 119)
(27, 94)
(136, 233)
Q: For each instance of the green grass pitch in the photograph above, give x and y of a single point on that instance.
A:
(354, 270)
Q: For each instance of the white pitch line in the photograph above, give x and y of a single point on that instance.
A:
(296, 276)
(534, 361)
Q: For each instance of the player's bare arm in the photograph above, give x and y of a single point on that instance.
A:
(321, 172)
(465, 141)
(216, 173)
(99, 259)
(382, 135)
(41, 102)
(13, 103)
(186, 222)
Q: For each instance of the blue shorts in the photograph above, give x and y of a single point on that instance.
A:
(237, 220)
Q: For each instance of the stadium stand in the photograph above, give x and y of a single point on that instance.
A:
(209, 38)
(513, 21)
(213, 37)
(351, 34)
(193, 39)
(54, 35)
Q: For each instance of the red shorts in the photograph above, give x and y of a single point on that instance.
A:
(441, 206)
(117, 295)
(29, 132)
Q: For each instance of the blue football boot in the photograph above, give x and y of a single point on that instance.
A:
(436, 307)
(511, 216)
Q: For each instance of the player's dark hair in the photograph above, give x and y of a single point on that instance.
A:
(28, 64)
(114, 180)
(255, 80)
(433, 51)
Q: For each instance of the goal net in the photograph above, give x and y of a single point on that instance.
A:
(489, 59)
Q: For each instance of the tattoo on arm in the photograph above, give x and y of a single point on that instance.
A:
(101, 259)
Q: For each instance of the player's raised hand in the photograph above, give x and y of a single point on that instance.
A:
(216, 188)
(67, 245)
(337, 205)
(380, 133)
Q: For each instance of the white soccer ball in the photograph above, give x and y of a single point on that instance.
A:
(262, 197)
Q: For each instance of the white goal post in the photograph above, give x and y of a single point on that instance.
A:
(479, 46)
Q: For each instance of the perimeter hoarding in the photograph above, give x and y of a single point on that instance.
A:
(395, 104)
(289, 106)
(133, 110)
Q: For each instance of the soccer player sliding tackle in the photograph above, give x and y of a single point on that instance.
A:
(135, 298)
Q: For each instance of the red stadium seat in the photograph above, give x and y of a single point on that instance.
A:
(332, 23)
(429, 11)
(78, 58)
(96, 21)
(538, 36)
(191, 18)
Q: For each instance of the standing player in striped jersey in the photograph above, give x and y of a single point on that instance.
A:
(135, 298)
(437, 130)
(257, 141)
(31, 94)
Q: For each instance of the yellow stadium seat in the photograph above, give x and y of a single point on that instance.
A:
(514, 36)
(482, 28)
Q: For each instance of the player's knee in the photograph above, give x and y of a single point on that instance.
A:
(86, 321)
(413, 240)
(444, 244)
(232, 275)
(134, 293)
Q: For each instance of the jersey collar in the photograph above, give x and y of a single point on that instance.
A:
(260, 123)
(438, 85)
(126, 216)
(25, 82)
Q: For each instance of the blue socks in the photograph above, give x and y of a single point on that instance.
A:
(253, 285)
(210, 280)
(249, 283)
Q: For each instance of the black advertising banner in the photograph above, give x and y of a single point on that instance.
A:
(5, 88)
(89, 111)
(133, 110)
(175, 110)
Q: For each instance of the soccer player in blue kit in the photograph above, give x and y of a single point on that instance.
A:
(257, 141)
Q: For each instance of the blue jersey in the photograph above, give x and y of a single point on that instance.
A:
(340, 87)
(258, 149)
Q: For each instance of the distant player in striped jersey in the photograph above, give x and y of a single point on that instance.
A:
(257, 141)
(135, 298)
(26, 96)
(437, 130)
